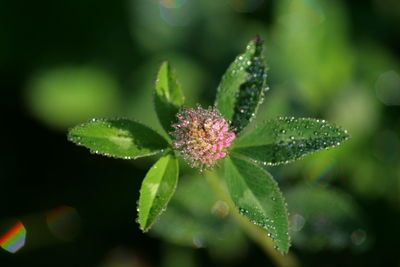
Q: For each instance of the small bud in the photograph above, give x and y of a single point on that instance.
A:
(202, 136)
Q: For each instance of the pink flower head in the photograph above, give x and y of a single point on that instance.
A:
(202, 136)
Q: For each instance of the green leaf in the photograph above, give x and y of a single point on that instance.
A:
(283, 140)
(242, 87)
(120, 138)
(168, 96)
(157, 189)
(257, 196)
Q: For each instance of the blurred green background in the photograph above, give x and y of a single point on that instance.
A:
(64, 62)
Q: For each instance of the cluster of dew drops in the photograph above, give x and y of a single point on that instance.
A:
(299, 144)
(251, 93)
(266, 223)
(78, 140)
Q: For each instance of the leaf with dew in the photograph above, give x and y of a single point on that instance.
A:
(243, 86)
(257, 196)
(286, 139)
(119, 138)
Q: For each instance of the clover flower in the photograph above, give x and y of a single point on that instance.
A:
(202, 136)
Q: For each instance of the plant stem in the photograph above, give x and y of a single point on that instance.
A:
(256, 233)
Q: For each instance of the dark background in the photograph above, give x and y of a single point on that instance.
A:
(64, 62)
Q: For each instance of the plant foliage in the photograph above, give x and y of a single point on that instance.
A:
(252, 189)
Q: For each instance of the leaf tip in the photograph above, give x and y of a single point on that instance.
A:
(143, 222)
(347, 136)
(164, 64)
(71, 137)
(144, 228)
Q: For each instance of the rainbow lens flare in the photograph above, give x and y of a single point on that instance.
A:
(63, 222)
(14, 238)
(320, 171)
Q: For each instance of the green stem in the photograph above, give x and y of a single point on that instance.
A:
(256, 233)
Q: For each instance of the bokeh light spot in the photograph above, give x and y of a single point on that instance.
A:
(358, 237)
(177, 17)
(220, 209)
(198, 241)
(63, 222)
(388, 88)
(14, 237)
(172, 3)
(296, 222)
(66, 95)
